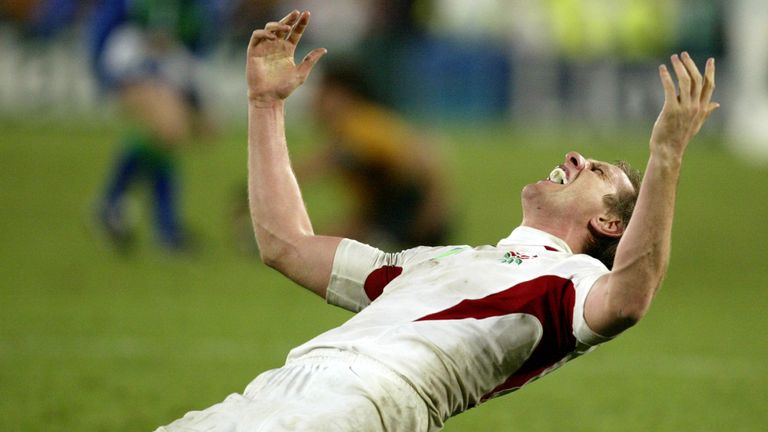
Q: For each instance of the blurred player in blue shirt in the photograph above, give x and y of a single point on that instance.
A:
(146, 52)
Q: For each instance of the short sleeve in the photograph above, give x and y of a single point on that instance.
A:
(583, 280)
(351, 265)
(359, 269)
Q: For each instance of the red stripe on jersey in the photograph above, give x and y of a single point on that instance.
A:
(378, 279)
(550, 299)
(550, 248)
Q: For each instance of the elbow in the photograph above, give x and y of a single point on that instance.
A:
(627, 313)
(274, 256)
(279, 248)
(269, 258)
(632, 299)
(628, 317)
(273, 251)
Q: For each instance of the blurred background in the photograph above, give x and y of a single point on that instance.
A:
(130, 286)
(584, 61)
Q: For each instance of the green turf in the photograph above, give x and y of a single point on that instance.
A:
(90, 341)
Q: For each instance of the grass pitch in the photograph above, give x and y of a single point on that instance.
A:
(93, 341)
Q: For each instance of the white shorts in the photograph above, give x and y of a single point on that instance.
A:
(324, 390)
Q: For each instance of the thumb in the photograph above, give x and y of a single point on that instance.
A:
(309, 62)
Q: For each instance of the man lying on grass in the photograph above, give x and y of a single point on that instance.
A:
(440, 329)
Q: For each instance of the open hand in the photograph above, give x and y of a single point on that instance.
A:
(271, 72)
(683, 114)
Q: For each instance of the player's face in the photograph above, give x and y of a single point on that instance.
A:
(574, 189)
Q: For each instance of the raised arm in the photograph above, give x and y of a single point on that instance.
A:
(280, 221)
(621, 298)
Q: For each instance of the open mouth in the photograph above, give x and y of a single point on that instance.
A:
(558, 176)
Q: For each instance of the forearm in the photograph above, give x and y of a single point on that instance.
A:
(619, 299)
(643, 253)
(277, 210)
(280, 220)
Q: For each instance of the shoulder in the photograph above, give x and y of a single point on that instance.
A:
(583, 263)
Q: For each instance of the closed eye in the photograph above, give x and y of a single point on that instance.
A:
(598, 170)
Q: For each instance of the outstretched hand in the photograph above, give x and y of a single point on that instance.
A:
(271, 72)
(683, 114)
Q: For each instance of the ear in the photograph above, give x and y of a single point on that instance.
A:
(607, 225)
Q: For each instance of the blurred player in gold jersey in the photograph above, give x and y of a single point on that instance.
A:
(392, 171)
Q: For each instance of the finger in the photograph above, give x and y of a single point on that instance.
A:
(298, 30)
(259, 35)
(275, 27)
(669, 86)
(712, 107)
(310, 61)
(709, 82)
(695, 75)
(683, 80)
(288, 20)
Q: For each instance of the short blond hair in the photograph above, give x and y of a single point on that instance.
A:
(621, 204)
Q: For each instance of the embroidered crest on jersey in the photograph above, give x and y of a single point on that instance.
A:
(513, 257)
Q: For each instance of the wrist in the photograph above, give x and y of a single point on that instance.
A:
(666, 162)
(670, 153)
(260, 102)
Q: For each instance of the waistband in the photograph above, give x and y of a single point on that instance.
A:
(361, 364)
(360, 360)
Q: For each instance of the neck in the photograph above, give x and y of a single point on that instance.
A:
(574, 237)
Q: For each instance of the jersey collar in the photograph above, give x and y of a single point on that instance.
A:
(532, 237)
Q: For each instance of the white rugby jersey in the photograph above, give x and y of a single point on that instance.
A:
(463, 324)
